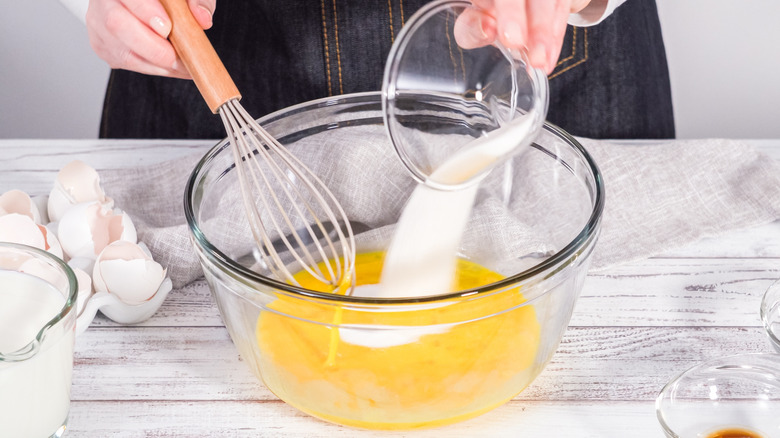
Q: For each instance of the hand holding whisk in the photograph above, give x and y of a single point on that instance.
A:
(274, 183)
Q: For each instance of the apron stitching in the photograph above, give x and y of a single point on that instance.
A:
(585, 58)
(325, 45)
(338, 51)
(401, 7)
(573, 47)
(390, 11)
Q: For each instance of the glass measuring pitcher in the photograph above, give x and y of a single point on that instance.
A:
(37, 330)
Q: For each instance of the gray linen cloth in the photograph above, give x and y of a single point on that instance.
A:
(658, 196)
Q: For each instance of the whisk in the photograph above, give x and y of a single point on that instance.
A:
(272, 180)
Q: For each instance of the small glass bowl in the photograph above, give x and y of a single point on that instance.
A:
(486, 88)
(733, 392)
(770, 314)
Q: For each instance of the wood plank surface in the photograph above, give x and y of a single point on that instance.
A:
(201, 363)
(272, 419)
(634, 327)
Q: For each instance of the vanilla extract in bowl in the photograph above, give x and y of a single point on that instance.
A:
(735, 432)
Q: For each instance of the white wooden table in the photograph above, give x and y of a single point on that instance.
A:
(634, 327)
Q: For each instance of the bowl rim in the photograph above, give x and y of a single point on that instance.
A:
(68, 307)
(767, 303)
(587, 234)
(741, 363)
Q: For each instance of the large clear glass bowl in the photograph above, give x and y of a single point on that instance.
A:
(403, 363)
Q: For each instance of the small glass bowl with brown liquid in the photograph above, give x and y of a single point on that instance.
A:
(727, 397)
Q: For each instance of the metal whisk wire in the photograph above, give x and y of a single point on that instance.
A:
(274, 183)
(267, 171)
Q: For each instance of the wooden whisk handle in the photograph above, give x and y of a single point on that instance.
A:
(195, 50)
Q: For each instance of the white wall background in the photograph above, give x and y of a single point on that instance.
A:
(723, 59)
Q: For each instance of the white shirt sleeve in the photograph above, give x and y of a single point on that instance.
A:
(594, 13)
(77, 7)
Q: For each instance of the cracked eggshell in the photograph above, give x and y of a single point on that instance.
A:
(85, 289)
(17, 201)
(76, 183)
(20, 228)
(87, 228)
(41, 202)
(127, 271)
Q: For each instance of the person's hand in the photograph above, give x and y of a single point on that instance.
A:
(537, 25)
(132, 34)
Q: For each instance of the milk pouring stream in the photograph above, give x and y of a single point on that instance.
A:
(421, 258)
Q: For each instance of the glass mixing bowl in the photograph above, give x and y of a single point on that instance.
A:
(403, 363)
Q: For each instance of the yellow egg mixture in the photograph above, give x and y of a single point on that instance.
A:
(436, 369)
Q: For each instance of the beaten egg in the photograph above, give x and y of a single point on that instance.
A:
(398, 368)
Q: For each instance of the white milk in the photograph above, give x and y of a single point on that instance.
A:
(34, 393)
(421, 259)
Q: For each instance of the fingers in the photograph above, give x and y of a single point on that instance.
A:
(541, 20)
(536, 25)
(203, 11)
(474, 28)
(546, 29)
(151, 13)
(131, 35)
(512, 22)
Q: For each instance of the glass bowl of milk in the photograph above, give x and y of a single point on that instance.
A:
(492, 91)
(412, 360)
(37, 329)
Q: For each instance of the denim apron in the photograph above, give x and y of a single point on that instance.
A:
(611, 80)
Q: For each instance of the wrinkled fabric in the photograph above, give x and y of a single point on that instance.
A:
(659, 196)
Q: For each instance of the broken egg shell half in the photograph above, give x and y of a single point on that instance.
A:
(76, 183)
(17, 201)
(20, 228)
(41, 202)
(85, 289)
(127, 271)
(88, 228)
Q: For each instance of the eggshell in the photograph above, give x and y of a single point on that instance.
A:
(52, 243)
(41, 202)
(76, 183)
(83, 263)
(17, 201)
(127, 271)
(87, 228)
(85, 289)
(19, 228)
